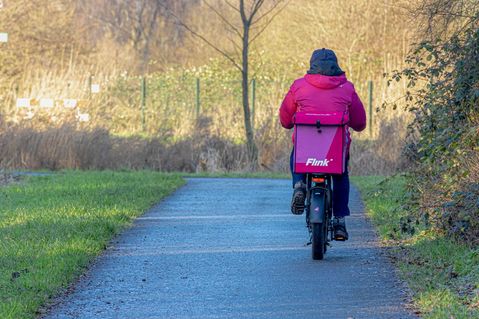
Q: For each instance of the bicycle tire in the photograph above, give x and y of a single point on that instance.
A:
(318, 243)
(319, 202)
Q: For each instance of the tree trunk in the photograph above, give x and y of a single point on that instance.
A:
(250, 143)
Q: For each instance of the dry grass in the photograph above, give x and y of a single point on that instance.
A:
(173, 138)
(69, 147)
(382, 155)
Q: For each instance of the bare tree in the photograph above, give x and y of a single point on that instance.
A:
(252, 17)
(140, 24)
(41, 35)
(445, 18)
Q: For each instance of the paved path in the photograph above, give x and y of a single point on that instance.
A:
(230, 248)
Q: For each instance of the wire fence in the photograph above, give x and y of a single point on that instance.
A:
(154, 103)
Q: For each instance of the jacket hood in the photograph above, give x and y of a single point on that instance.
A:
(324, 81)
(325, 62)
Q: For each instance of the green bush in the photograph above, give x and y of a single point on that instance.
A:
(443, 76)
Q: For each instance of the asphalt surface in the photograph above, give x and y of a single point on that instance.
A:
(230, 248)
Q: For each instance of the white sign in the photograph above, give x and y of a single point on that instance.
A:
(83, 117)
(95, 88)
(23, 102)
(70, 103)
(29, 115)
(3, 37)
(47, 103)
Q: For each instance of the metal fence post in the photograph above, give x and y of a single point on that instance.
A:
(143, 103)
(370, 106)
(253, 101)
(90, 82)
(198, 97)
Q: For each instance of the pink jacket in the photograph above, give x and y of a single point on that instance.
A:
(316, 93)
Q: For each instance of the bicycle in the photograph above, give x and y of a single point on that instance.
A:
(318, 211)
(320, 150)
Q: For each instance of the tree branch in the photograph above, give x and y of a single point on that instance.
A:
(232, 6)
(277, 3)
(242, 12)
(238, 33)
(236, 46)
(112, 24)
(205, 40)
(268, 22)
(257, 5)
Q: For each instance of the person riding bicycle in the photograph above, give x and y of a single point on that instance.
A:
(324, 89)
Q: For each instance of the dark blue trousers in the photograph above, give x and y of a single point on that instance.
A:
(340, 188)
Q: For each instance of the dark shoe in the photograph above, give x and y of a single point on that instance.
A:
(339, 229)
(299, 194)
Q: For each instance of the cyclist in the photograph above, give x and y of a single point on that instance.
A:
(324, 89)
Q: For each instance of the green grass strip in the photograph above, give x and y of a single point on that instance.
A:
(443, 275)
(51, 227)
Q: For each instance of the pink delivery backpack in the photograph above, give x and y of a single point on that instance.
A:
(320, 142)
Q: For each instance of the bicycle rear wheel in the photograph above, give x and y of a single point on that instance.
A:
(319, 240)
